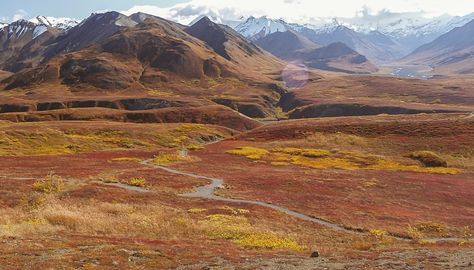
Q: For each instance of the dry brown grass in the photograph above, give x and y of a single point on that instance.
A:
(55, 216)
(50, 184)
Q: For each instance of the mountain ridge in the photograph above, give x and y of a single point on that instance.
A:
(451, 52)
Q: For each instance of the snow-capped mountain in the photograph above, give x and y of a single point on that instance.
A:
(58, 23)
(409, 30)
(218, 20)
(451, 52)
(19, 29)
(255, 28)
(22, 42)
(36, 27)
(15, 36)
(374, 45)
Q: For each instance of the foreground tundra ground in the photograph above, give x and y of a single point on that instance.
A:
(79, 194)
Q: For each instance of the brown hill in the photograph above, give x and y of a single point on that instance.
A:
(229, 44)
(293, 46)
(91, 31)
(151, 57)
(21, 43)
(285, 44)
(337, 57)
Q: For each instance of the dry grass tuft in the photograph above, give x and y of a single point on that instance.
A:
(428, 159)
(56, 216)
(50, 184)
(196, 210)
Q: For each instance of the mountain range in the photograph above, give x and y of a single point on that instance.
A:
(134, 57)
(145, 67)
(349, 45)
(294, 47)
(382, 40)
(452, 52)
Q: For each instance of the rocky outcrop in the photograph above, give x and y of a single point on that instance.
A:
(129, 104)
(214, 114)
(335, 110)
(253, 110)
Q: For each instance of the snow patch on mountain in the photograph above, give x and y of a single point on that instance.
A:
(261, 27)
(17, 28)
(59, 23)
(39, 30)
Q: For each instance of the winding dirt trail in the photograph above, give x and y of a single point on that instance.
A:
(208, 192)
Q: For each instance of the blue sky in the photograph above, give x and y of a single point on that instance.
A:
(186, 11)
(70, 8)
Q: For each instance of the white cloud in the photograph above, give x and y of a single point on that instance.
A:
(20, 14)
(303, 11)
(154, 10)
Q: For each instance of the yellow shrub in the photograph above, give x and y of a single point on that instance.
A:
(370, 183)
(137, 182)
(324, 159)
(127, 159)
(194, 147)
(415, 234)
(279, 163)
(235, 211)
(303, 152)
(180, 139)
(196, 210)
(315, 153)
(36, 221)
(288, 150)
(267, 240)
(241, 232)
(165, 159)
(190, 127)
(226, 227)
(467, 233)
(378, 234)
(50, 184)
(323, 163)
(430, 227)
(249, 152)
(158, 92)
(395, 166)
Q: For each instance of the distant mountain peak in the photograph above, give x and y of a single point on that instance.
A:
(58, 23)
(204, 20)
(111, 17)
(255, 28)
(218, 36)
